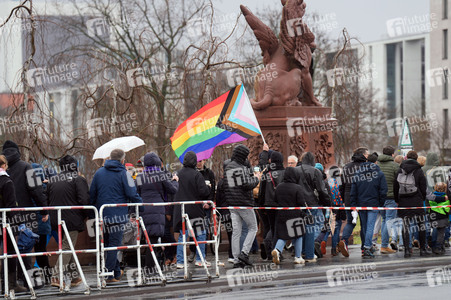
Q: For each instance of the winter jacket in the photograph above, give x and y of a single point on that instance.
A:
(192, 187)
(390, 170)
(112, 184)
(270, 180)
(220, 197)
(210, 176)
(432, 160)
(312, 183)
(371, 187)
(349, 171)
(27, 186)
(44, 228)
(240, 179)
(8, 197)
(154, 185)
(290, 223)
(410, 166)
(334, 183)
(69, 189)
(440, 216)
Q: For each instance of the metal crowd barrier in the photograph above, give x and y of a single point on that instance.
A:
(186, 225)
(6, 229)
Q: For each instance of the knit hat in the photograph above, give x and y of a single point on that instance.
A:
(10, 144)
(319, 167)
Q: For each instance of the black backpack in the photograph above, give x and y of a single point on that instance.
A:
(406, 182)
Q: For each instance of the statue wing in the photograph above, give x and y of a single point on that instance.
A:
(265, 36)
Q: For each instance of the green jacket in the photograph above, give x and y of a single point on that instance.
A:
(390, 170)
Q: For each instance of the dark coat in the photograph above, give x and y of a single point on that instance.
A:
(270, 180)
(26, 185)
(192, 187)
(371, 188)
(289, 194)
(154, 186)
(410, 166)
(8, 198)
(349, 173)
(210, 176)
(112, 184)
(69, 190)
(311, 180)
(239, 179)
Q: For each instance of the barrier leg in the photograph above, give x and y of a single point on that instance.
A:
(190, 228)
(97, 225)
(5, 257)
(216, 237)
(71, 245)
(185, 261)
(138, 254)
(60, 251)
(157, 265)
(19, 257)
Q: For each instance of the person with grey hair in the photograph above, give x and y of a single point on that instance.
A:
(112, 184)
(292, 161)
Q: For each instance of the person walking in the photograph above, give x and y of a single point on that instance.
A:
(112, 184)
(154, 185)
(69, 190)
(410, 191)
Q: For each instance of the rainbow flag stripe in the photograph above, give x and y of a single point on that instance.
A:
(226, 120)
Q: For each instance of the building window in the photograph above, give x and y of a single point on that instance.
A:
(445, 124)
(445, 44)
(445, 84)
(445, 9)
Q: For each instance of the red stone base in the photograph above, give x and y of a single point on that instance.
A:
(295, 130)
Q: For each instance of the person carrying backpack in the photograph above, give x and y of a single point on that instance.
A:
(409, 190)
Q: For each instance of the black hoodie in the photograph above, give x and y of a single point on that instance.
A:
(239, 180)
(192, 187)
(411, 166)
(350, 170)
(270, 180)
(290, 194)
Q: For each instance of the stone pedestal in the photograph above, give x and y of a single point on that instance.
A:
(293, 130)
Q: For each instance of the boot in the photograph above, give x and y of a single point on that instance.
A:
(425, 251)
(437, 250)
(407, 252)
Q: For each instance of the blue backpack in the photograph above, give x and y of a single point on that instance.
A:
(27, 239)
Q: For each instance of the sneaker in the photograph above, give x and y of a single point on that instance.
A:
(243, 257)
(199, 264)
(191, 257)
(425, 252)
(313, 260)
(318, 250)
(343, 248)
(112, 280)
(323, 248)
(231, 260)
(368, 254)
(56, 282)
(374, 248)
(275, 256)
(447, 244)
(299, 261)
(180, 266)
(393, 245)
(407, 253)
(386, 250)
(400, 248)
(263, 253)
(437, 250)
(334, 252)
(75, 282)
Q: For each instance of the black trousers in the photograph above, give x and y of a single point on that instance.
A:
(418, 221)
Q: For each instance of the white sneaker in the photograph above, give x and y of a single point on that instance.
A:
(199, 264)
(311, 260)
(316, 256)
(180, 266)
(299, 261)
(231, 260)
(275, 256)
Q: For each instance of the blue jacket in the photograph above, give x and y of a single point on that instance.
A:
(112, 184)
(369, 187)
(154, 186)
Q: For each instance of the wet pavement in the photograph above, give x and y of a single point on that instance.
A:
(329, 278)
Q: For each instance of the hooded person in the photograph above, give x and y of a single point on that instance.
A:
(271, 178)
(154, 185)
(410, 190)
(238, 186)
(68, 189)
(192, 187)
(290, 224)
(432, 171)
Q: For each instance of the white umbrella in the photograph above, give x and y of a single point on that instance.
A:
(125, 143)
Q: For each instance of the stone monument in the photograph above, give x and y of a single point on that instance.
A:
(292, 120)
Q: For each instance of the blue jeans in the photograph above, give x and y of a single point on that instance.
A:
(113, 238)
(388, 218)
(200, 238)
(336, 236)
(367, 221)
(312, 232)
(349, 227)
(297, 246)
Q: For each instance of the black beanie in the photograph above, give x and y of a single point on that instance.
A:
(10, 144)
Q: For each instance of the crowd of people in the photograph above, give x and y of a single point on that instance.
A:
(368, 180)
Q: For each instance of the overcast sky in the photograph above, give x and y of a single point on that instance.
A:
(365, 19)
